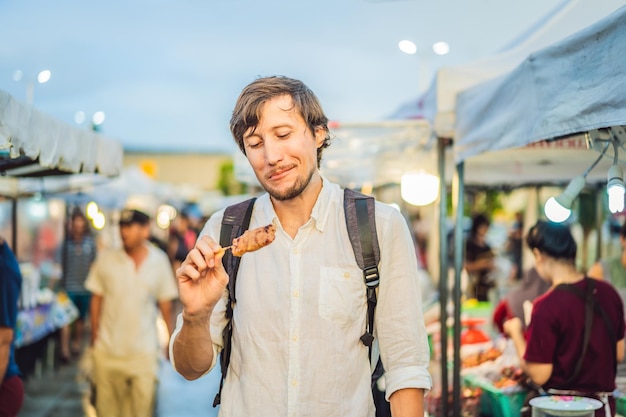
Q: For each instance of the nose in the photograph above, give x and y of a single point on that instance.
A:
(273, 152)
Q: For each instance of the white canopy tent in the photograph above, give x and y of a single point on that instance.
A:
(439, 103)
(33, 144)
(543, 162)
(39, 154)
(571, 86)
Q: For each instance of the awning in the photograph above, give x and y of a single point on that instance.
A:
(34, 144)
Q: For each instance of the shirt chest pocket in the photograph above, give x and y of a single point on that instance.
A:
(342, 295)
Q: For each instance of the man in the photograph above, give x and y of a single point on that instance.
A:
(127, 286)
(301, 301)
(11, 386)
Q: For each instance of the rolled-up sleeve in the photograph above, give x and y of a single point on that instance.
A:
(399, 322)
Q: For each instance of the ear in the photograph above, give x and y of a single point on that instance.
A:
(538, 254)
(320, 136)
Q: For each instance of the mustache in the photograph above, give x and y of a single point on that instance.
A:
(279, 169)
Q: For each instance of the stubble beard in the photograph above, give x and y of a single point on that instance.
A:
(295, 190)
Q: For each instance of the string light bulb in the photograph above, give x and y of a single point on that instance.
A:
(615, 189)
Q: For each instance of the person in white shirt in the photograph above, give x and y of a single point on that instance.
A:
(128, 284)
(301, 301)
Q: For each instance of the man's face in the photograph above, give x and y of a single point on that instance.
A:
(134, 235)
(282, 150)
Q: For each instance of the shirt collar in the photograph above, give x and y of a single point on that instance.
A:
(327, 200)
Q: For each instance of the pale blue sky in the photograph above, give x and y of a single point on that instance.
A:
(167, 73)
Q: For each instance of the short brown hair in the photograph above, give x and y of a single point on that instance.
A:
(246, 113)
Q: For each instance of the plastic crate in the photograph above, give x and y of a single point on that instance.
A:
(620, 404)
(495, 402)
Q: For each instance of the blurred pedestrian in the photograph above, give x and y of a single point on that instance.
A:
(78, 253)
(128, 285)
(518, 301)
(11, 386)
(479, 259)
(613, 269)
(182, 239)
(514, 244)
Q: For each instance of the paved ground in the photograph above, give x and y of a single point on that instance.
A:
(60, 392)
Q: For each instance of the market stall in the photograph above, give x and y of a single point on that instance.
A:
(39, 156)
(549, 112)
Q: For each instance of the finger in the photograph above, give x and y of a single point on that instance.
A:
(196, 259)
(186, 272)
(208, 248)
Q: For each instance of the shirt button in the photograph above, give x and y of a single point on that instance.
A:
(346, 275)
(294, 338)
(294, 382)
(296, 294)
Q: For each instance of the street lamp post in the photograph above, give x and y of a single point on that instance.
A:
(96, 119)
(424, 69)
(42, 77)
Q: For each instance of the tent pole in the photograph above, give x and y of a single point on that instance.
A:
(14, 225)
(458, 193)
(599, 220)
(443, 272)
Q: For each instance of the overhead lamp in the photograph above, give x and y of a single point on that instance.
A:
(558, 209)
(419, 188)
(615, 189)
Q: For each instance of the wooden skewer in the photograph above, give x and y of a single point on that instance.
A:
(222, 250)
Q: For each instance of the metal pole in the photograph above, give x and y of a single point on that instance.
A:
(599, 220)
(14, 225)
(458, 193)
(443, 273)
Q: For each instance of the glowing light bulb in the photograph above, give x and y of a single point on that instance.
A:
(92, 209)
(419, 188)
(616, 198)
(615, 189)
(556, 212)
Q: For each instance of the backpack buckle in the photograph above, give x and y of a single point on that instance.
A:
(367, 339)
(371, 277)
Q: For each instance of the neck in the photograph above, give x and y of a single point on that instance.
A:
(136, 251)
(565, 274)
(295, 212)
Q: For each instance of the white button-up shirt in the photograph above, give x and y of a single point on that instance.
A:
(129, 311)
(301, 309)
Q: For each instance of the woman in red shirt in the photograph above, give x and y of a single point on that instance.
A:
(550, 351)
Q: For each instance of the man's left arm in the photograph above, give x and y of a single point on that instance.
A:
(407, 402)
(399, 319)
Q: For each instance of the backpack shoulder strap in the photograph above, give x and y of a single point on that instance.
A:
(235, 222)
(361, 225)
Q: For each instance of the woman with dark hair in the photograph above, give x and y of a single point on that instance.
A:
(576, 334)
(479, 259)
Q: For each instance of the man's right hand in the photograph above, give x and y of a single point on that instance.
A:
(201, 279)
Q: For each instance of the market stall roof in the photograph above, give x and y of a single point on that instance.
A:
(439, 103)
(575, 85)
(33, 144)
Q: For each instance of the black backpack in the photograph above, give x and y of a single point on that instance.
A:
(361, 225)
